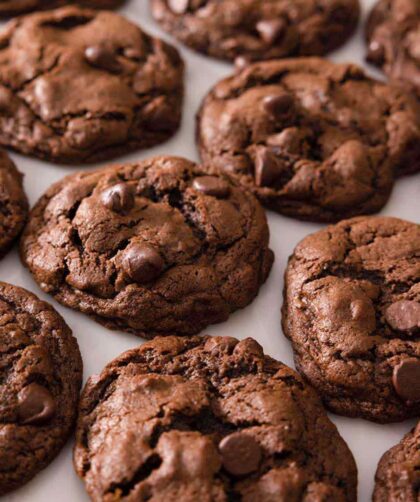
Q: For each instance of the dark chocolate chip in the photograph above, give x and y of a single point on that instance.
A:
(142, 263)
(376, 53)
(406, 379)
(267, 167)
(404, 315)
(241, 454)
(36, 405)
(102, 57)
(271, 29)
(178, 6)
(118, 198)
(211, 185)
(278, 104)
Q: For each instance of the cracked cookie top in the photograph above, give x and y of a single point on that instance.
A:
(313, 139)
(398, 474)
(13, 203)
(156, 247)
(79, 85)
(40, 378)
(393, 36)
(207, 418)
(352, 311)
(257, 29)
(15, 7)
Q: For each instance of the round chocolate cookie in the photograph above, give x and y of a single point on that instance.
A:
(208, 418)
(16, 7)
(393, 35)
(398, 475)
(352, 311)
(312, 139)
(79, 85)
(151, 248)
(13, 203)
(255, 29)
(40, 378)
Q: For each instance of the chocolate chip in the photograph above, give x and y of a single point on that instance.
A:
(102, 57)
(142, 263)
(271, 30)
(241, 454)
(118, 198)
(178, 6)
(404, 315)
(376, 53)
(406, 379)
(35, 405)
(278, 104)
(210, 185)
(267, 167)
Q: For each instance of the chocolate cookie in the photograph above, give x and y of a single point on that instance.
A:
(208, 418)
(79, 85)
(13, 203)
(352, 311)
(151, 248)
(393, 35)
(40, 378)
(312, 139)
(398, 474)
(15, 7)
(258, 30)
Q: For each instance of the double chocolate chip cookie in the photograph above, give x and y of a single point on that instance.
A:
(156, 247)
(15, 7)
(398, 474)
(312, 139)
(256, 29)
(78, 85)
(352, 311)
(393, 35)
(208, 418)
(13, 203)
(40, 378)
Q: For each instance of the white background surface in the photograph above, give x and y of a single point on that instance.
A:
(261, 319)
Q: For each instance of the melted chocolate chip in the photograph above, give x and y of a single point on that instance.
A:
(211, 185)
(36, 406)
(277, 105)
(178, 6)
(406, 379)
(271, 29)
(267, 168)
(142, 263)
(403, 316)
(119, 198)
(102, 57)
(241, 454)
